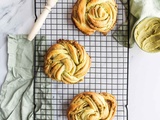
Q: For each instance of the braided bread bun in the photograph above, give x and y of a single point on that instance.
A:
(94, 15)
(67, 61)
(92, 106)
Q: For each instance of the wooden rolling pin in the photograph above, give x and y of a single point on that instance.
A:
(41, 19)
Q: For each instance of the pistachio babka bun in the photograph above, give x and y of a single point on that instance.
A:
(94, 15)
(92, 106)
(66, 61)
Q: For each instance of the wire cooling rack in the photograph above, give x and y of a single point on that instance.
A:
(109, 68)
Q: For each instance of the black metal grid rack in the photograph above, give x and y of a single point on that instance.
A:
(109, 68)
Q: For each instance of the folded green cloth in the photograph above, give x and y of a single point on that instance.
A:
(16, 96)
(121, 36)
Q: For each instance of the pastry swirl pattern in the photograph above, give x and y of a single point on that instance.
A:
(92, 106)
(94, 15)
(67, 61)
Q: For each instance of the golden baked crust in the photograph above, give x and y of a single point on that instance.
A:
(94, 15)
(92, 106)
(66, 61)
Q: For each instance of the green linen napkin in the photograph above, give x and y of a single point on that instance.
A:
(16, 97)
(121, 36)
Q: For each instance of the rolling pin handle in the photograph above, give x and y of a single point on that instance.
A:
(41, 19)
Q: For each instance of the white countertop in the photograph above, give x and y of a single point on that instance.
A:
(17, 17)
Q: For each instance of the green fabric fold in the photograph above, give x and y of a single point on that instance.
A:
(121, 35)
(16, 97)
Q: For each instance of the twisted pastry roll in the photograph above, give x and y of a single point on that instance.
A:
(67, 61)
(94, 15)
(92, 106)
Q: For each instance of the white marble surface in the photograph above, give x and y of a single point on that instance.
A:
(17, 17)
